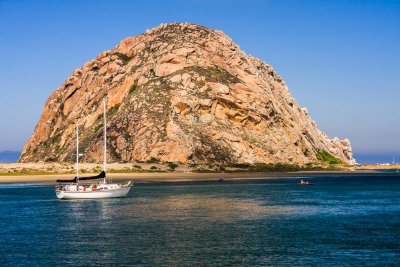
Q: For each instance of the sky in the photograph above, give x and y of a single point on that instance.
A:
(340, 59)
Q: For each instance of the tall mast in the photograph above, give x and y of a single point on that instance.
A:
(77, 153)
(105, 138)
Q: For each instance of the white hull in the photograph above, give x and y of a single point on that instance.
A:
(111, 193)
(74, 190)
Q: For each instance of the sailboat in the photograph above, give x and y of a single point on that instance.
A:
(73, 189)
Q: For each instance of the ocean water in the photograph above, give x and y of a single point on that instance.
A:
(343, 220)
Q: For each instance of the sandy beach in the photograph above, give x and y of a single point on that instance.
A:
(177, 176)
(142, 172)
(167, 177)
(150, 177)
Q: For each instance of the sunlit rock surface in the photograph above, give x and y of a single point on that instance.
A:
(183, 93)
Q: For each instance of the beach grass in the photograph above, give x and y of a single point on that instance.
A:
(153, 166)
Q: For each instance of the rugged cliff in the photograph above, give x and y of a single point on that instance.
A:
(184, 93)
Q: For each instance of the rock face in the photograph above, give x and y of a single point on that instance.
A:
(183, 93)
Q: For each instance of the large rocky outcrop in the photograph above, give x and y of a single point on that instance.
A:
(184, 93)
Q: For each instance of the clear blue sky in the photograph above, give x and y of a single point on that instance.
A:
(341, 59)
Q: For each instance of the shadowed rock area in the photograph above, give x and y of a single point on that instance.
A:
(181, 93)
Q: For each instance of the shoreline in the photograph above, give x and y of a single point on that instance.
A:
(158, 172)
(175, 177)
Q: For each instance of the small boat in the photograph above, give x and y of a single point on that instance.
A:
(73, 189)
(221, 180)
(302, 182)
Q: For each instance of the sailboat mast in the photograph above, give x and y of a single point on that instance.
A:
(77, 153)
(105, 138)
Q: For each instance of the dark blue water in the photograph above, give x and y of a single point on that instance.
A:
(342, 220)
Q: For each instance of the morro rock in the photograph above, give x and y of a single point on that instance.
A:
(182, 93)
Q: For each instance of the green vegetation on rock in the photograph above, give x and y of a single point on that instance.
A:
(124, 58)
(328, 158)
(278, 167)
(212, 74)
(133, 88)
(152, 160)
(172, 166)
(238, 165)
(113, 110)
